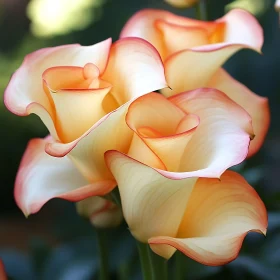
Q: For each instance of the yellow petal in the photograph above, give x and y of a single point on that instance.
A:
(164, 128)
(255, 105)
(42, 177)
(134, 68)
(218, 216)
(222, 137)
(148, 197)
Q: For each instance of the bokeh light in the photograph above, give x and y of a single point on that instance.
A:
(58, 17)
(255, 7)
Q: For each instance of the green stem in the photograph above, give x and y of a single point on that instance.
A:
(201, 10)
(179, 267)
(159, 267)
(143, 250)
(104, 271)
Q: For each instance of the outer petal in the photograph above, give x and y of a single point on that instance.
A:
(255, 105)
(134, 68)
(3, 275)
(25, 95)
(147, 24)
(191, 69)
(156, 26)
(148, 197)
(219, 215)
(42, 177)
(88, 154)
(222, 138)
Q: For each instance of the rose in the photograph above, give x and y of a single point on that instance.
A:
(181, 3)
(81, 94)
(169, 194)
(193, 52)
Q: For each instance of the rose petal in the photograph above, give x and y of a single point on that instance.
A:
(255, 105)
(164, 128)
(191, 69)
(26, 87)
(111, 132)
(222, 138)
(77, 106)
(147, 197)
(218, 216)
(42, 177)
(134, 68)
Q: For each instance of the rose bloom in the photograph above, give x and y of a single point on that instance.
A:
(174, 189)
(193, 52)
(81, 94)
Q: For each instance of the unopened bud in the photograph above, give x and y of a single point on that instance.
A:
(181, 3)
(101, 212)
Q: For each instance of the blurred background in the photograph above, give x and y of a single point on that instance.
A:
(56, 243)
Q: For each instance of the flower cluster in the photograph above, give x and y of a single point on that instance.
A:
(167, 151)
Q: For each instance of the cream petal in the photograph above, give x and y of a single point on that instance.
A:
(191, 69)
(255, 105)
(87, 152)
(134, 68)
(42, 177)
(164, 128)
(148, 197)
(25, 86)
(222, 137)
(218, 216)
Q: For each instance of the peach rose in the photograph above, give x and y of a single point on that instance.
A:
(174, 192)
(193, 52)
(81, 94)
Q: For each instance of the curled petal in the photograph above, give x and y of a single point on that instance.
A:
(25, 86)
(111, 132)
(218, 216)
(134, 68)
(42, 177)
(191, 69)
(222, 137)
(157, 26)
(148, 197)
(255, 105)
(164, 128)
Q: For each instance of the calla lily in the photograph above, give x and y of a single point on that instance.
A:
(101, 212)
(193, 52)
(206, 219)
(178, 140)
(81, 94)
